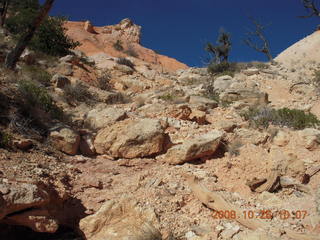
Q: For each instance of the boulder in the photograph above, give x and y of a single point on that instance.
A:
(86, 146)
(64, 68)
(310, 138)
(29, 57)
(246, 96)
(131, 139)
(119, 221)
(106, 96)
(198, 117)
(60, 81)
(251, 71)
(65, 139)
(281, 139)
(23, 144)
(198, 147)
(146, 72)
(198, 100)
(251, 136)
(101, 118)
(222, 83)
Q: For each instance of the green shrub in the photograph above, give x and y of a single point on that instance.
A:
(127, 62)
(293, 118)
(77, 92)
(118, 46)
(35, 96)
(223, 68)
(167, 97)
(5, 139)
(38, 74)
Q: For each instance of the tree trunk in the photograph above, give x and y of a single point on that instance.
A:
(13, 56)
(4, 11)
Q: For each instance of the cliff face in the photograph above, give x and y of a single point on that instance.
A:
(100, 40)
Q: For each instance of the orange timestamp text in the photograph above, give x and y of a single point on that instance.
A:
(260, 214)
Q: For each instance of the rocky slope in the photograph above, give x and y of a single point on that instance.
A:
(146, 154)
(97, 42)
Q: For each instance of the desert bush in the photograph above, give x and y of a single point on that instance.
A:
(5, 139)
(293, 118)
(77, 92)
(103, 81)
(168, 97)
(224, 68)
(118, 46)
(34, 96)
(37, 74)
(125, 61)
(131, 52)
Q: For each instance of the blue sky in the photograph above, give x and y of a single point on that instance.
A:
(180, 28)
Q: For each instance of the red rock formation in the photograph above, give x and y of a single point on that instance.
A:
(101, 39)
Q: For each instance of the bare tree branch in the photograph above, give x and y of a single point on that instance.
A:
(261, 43)
(311, 7)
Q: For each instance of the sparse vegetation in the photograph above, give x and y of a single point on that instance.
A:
(293, 118)
(118, 46)
(125, 61)
(34, 96)
(5, 139)
(223, 68)
(131, 52)
(77, 92)
(103, 81)
(37, 74)
(167, 97)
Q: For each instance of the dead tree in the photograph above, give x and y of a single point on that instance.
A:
(3, 11)
(311, 7)
(14, 55)
(257, 40)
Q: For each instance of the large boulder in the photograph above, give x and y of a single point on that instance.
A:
(119, 221)
(131, 139)
(101, 118)
(65, 139)
(198, 147)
